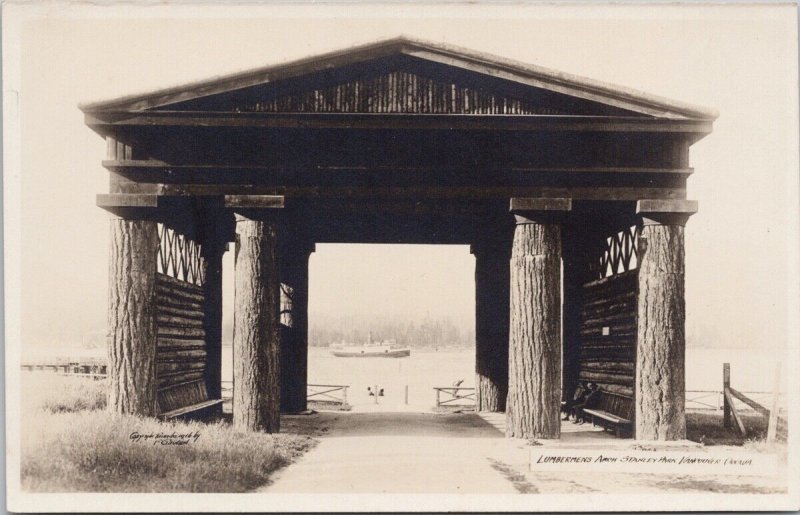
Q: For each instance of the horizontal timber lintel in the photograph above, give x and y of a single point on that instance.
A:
(254, 201)
(155, 165)
(207, 119)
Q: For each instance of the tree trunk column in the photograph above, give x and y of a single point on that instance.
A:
(213, 248)
(132, 328)
(661, 341)
(294, 329)
(256, 333)
(491, 326)
(534, 388)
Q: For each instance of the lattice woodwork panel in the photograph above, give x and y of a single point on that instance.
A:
(179, 257)
(620, 253)
(398, 92)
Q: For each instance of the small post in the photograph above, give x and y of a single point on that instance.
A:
(344, 396)
(406, 395)
(437, 397)
(375, 393)
(726, 384)
(772, 426)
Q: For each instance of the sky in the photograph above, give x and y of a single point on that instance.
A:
(740, 247)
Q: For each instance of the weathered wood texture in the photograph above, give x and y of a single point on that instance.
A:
(492, 278)
(132, 317)
(609, 359)
(534, 389)
(294, 331)
(256, 331)
(399, 92)
(212, 252)
(660, 356)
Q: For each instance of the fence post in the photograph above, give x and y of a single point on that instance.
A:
(772, 425)
(344, 396)
(376, 394)
(726, 384)
(437, 397)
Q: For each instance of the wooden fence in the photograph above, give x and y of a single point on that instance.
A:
(777, 428)
(453, 394)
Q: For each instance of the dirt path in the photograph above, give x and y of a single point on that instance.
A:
(466, 453)
(396, 453)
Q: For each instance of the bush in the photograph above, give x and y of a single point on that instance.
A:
(64, 394)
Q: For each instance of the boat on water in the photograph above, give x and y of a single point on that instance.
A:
(385, 349)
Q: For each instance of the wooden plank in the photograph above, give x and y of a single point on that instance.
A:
(178, 377)
(394, 121)
(172, 367)
(772, 425)
(181, 332)
(189, 409)
(166, 301)
(153, 165)
(254, 201)
(177, 321)
(520, 204)
(173, 283)
(750, 402)
(181, 354)
(179, 343)
(180, 311)
(734, 414)
(112, 200)
(178, 294)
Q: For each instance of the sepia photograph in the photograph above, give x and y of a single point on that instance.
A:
(400, 257)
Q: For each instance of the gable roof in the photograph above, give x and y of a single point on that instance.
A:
(525, 75)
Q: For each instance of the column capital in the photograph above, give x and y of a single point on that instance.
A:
(539, 210)
(665, 212)
(255, 207)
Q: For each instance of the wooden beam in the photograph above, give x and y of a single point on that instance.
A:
(114, 200)
(540, 204)
(254, 201)
(203, 119)
(750, 402)
(734, 413)
(156, 165)
(417, 192)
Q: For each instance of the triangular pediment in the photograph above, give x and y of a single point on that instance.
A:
(405, 76)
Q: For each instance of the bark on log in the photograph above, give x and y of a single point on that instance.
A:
(256, 337)
(132, 317)
(660, 361)
(491, 329)
(534, 390)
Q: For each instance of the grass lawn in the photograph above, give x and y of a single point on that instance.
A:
(71, 444)
(707, 428)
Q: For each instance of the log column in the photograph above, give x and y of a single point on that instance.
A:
(534, 387)
(294, 326)
(132, 329)
(491, 324)
(256, 333)
(213, 246)
(661, 342)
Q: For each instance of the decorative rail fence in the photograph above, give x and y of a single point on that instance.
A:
(453, 395)
(331, 393)
(777, 425)
(91, 370)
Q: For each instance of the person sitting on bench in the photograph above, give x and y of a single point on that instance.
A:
(581, 391)
(588, 402)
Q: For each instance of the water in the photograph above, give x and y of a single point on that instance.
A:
(751, 370)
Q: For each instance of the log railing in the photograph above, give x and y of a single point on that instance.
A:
(731, 413)
(328, 393)
(453, 394)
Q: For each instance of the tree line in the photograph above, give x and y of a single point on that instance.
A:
(427, 332)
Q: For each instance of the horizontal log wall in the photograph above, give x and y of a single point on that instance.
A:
(181, 350)
(609, 360)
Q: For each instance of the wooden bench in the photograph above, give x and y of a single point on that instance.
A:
(183, 399)
(612, 411)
